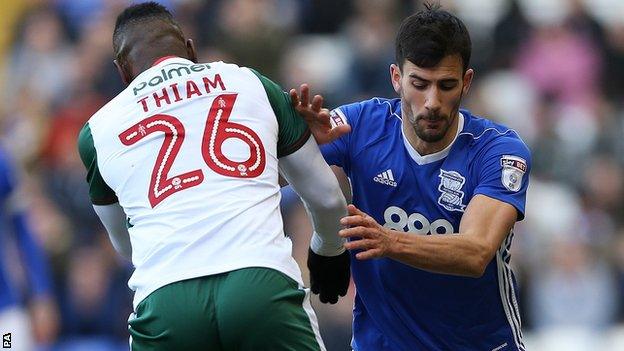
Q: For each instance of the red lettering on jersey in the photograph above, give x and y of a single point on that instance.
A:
(143, 103)
(192, 89)
(162, 184)
(165, 96)
(176, 93)
(218, 129)
(213, 84)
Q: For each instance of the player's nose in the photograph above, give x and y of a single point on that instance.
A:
(432, 100)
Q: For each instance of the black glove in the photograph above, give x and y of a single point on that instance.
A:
(329, 275)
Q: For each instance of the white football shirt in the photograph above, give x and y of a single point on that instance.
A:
(191, 151)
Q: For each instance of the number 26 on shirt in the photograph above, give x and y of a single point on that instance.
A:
(217, 130)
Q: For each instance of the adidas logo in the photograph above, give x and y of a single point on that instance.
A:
(386, 178)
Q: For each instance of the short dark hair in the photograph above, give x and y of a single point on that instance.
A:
(138, 13)
(428, 36)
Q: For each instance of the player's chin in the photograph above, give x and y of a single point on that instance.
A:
(432, 135)
(431, 131)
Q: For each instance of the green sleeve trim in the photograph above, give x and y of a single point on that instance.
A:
(293, 131)
(99, 192)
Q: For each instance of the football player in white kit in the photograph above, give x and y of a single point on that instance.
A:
(183, 171)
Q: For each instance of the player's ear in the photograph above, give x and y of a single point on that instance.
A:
(467, 80)
(126, 77)
(190, 50)
(395, 77)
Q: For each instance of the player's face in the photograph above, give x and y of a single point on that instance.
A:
(430, 97)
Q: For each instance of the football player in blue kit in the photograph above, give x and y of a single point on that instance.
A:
(41, 324)
(436, 193)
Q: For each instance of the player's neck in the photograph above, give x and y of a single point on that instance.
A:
(426, 148)
(148, 62)
(143, 58)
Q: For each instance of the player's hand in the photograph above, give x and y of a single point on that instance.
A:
(44, 320)
(329, 275)
(373, 239)
(317, 117)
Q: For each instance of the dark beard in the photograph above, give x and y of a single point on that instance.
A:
(429, 137)
(431, 116)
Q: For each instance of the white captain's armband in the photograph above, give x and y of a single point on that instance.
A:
(513, 170)
(337, 118)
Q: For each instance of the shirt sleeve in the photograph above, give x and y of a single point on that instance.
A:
(338, 152)
(99, 192)
(293, 131)
(503, 173)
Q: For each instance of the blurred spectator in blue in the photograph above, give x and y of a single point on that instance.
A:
(41, 324)
(95, 301)
(77, 15)
(370, 34)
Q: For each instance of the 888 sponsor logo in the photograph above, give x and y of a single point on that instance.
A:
(396, 218)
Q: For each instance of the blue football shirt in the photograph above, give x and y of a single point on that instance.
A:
(399, 307)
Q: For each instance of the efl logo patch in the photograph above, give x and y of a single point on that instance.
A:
(337, 118)
(451, 197)
(514, 168)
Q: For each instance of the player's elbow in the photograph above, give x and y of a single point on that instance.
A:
(476, 269)
(329, 200)
(123, 250)
(120, 239)
(479, 262)
(335, 201)
(126, 253)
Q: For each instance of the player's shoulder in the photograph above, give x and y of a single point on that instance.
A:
(108, 112)
(228, 66)
(484, 134)
(369, 113)
(236, 70)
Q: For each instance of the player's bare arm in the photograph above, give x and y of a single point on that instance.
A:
(317, 117)
(484, 226)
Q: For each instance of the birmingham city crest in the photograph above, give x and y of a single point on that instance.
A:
(451, 197)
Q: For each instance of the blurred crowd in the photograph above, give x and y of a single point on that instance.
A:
(551, 69)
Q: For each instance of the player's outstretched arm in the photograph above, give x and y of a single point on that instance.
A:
(484, 226)
(114, 220)
(317, 117)
(42, 307)
(315, 183)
